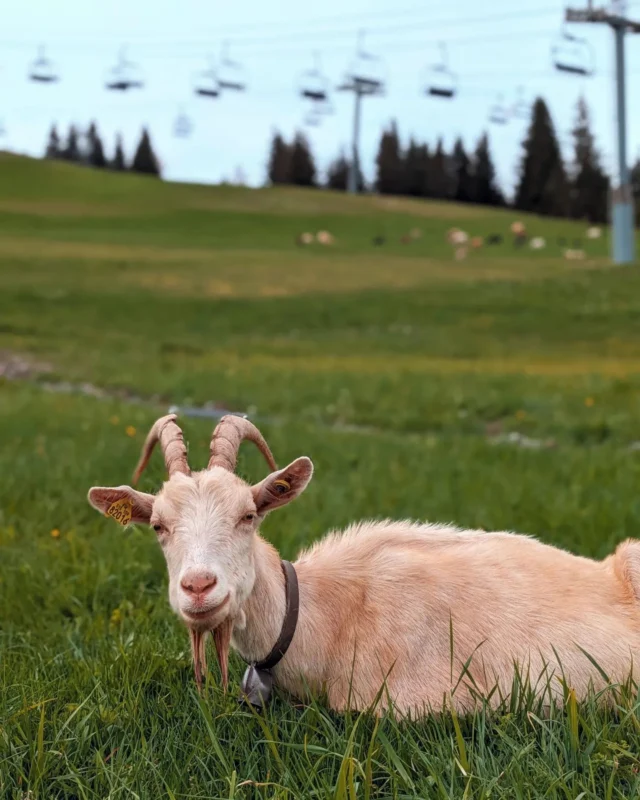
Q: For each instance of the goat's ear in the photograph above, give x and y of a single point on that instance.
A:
(283, 486)
(122, 503)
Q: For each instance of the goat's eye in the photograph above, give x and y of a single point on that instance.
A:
(249, 517)
(157, 528)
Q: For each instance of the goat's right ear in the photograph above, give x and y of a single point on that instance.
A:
(283, 486)
(122, 503)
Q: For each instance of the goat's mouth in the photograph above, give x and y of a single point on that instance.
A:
(205, 615)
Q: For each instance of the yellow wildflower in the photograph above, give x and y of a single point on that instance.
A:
(55, 533)
(130, 430)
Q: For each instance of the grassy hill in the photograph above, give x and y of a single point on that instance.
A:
(421, 387)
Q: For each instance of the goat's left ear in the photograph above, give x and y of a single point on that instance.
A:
(283, 486)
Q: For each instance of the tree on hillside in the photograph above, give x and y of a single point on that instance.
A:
(390, 173)
(440, 174)
(279, 167)
(71, 150)
(145, 160)
(485, 187)
(303, 168)
(338, 174)
(118, 163)
(543, 187)
(589, 182)
(416, 170)
(53, 144)
(464, 182)
(95, 150)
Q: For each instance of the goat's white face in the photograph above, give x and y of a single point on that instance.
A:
(206, 524)
(206, 527)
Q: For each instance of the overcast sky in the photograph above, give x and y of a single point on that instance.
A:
(494, 47)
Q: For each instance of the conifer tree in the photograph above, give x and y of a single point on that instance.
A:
(543, 187)
(118, 163)
(53, 144)
(145, 160)
(485, 187)
(279, 167)
(390, 174)
(303, 168)
(589, 183)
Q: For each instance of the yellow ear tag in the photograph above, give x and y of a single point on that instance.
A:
(282, 485)
(120, 511)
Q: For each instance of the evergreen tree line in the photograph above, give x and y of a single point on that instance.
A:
(87, 148)
(414, 171)
(545, 183)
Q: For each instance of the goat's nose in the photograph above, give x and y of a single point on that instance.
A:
(196, 583)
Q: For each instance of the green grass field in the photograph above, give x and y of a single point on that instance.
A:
(394, 368)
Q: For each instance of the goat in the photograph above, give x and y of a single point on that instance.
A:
(414, 605)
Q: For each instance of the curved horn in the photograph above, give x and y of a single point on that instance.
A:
(167, 432)
(229, 434)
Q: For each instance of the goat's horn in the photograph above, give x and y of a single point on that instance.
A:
(167, 432)
(229, 434)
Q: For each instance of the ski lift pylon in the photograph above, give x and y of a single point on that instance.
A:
(207, 83)
(231, 73)
(440, 81)
(574, 55)
(124, 75)
(42, 69)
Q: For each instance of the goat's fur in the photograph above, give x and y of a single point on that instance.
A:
(391, 599)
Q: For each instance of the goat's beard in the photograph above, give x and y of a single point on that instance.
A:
(222, 641)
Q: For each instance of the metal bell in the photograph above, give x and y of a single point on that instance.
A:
(256, 686)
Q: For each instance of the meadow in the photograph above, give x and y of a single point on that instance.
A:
(414, 382)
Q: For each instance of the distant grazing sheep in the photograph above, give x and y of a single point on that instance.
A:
(594, 232)
(494, 238)
(460, 253)
(378, 241)
(457, 237)
(538, 243)
(476, 242)
(324, 237)
(574, 255)
(442, 615)
(304, 239)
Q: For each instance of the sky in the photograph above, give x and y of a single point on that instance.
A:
(499, 50)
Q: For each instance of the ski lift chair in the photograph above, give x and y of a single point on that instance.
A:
(231, 75)
(207, 83)
(440, 80)
(574, 55)
(42, 69)
(182, 126)
(367, 71)
(498, 113)
(124, 75)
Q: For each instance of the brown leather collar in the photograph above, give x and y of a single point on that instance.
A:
(290, 622)
(257, 682)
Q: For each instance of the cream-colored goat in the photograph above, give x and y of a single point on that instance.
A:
(383, 601)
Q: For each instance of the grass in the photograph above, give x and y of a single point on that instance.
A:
(388, 367)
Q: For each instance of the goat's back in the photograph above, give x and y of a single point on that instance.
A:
(398, 599)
